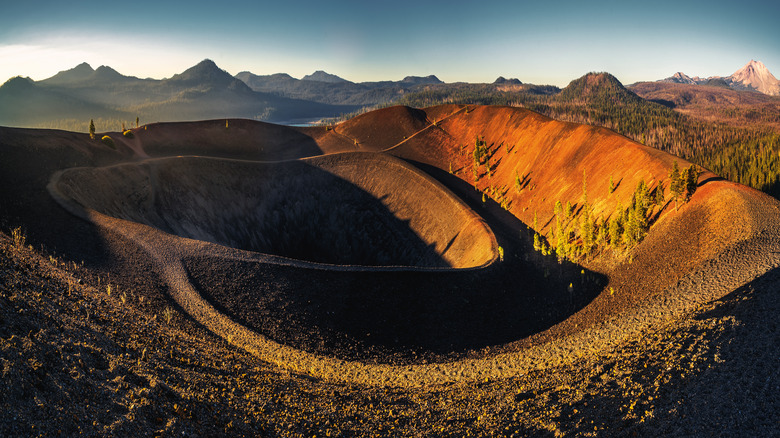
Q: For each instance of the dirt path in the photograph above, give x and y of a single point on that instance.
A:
(738, 265)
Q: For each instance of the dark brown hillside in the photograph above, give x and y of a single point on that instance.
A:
(384, 128)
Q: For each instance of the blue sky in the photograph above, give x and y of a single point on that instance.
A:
(477, 41)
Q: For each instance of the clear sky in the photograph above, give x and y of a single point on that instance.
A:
(541, 42)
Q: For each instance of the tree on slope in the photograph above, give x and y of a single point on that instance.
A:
(676, 185)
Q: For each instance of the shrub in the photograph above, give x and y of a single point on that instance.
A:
(168, 314)
(19, 238)
(108, 141)
(128, 133)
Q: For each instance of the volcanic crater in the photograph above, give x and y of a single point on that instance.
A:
(365, 254)
(354, 209)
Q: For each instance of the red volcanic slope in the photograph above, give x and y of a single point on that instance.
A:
(554, 157)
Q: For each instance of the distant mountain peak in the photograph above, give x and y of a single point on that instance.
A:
(321, 76)
(18, 83)
(204, 72)
(205, 67)
(754, 75)
(77, 73)
(681, 78)
(106, 72)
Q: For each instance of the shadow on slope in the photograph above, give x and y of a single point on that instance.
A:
(351, 209)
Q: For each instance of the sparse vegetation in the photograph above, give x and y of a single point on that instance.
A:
(168, 315)
(108, 141)
(19, 238)
(748, 154)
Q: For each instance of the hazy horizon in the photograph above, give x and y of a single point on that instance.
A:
(474, 42)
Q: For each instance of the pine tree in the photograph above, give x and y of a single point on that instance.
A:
(691, 181)
(611, 186)
(586, 229)
(536, 222)
(91, 129)
(615, 231)
(659, 195)
(562, 240)
(601, 233)
(676, 183)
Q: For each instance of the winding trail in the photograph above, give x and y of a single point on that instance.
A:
(740, 263)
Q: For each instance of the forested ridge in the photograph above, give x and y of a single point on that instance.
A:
(746, 154)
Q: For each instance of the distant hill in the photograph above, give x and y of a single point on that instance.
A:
(419, 80)
(504, 81)
(599, 88)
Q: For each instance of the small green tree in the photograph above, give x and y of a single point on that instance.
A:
(137, 120)
(615, 230)
(587, 231)
(691, 181)
(601, 233)
(659, 195)
(611, 185)
(675, 183)
(91, 129)
(562, 239)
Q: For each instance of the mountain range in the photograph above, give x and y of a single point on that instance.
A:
(327, 88)
(72, 97)
(203, 91)
(753, 76)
